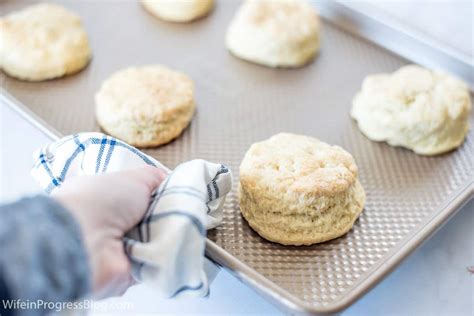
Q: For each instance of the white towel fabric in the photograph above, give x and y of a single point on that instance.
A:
(167, 247)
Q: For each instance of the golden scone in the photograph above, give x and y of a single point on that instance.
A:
(423, 110)
(297, 190)
(178, 10)
(280, 33)
(145, 106)
(43, 41)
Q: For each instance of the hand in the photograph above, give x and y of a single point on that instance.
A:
(106, 207)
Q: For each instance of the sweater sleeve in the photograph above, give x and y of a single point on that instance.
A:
(42, 256)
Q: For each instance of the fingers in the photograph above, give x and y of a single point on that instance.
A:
(150, 176)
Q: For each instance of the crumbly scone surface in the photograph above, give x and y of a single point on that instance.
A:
(42, 42)
(423, 110)
(281, 33)
(298, 190)
(145, 106)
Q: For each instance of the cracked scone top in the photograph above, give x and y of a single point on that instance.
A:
(423, 110)
(41, 42)
(145, 106)
(297, 190)
(281, 33)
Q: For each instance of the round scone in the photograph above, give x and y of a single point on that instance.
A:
(279, 33)
(423, 110)
(178, 10)
(297, 190)
(43, 41)
(145, 106)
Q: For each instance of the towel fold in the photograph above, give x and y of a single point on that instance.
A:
(167, 247)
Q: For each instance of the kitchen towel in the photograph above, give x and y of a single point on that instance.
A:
(167, 247)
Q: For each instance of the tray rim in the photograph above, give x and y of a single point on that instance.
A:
(267, 288)
(397, 39)
(282, 298)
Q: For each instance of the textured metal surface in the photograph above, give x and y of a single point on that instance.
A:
(239, 103)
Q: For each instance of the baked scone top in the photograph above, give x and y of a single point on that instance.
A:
(178, 10)
(424, 110)
(148, 91)
(43, 33)
(293, 19)
(298, 164)
(426, 94)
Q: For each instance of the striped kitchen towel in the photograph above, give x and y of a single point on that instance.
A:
(167, 246)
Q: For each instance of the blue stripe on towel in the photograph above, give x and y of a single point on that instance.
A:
(45, 166)
(209, 192)
(151, 208)
(216, 189)
(109, 154)
(101, 152)
(96, 141)
(79, 144)
(81, 147)
(54, 181)
(222, 170)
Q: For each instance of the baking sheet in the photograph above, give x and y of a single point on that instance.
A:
(238, 103)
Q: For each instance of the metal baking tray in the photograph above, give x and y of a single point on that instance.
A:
(238, 103)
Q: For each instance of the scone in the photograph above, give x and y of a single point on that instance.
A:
(43, 41)
(297, 190)
(145, 106)
(279, 33)
(423, 110)
(178, 10)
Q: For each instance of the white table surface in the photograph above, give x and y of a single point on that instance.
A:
(434, 280)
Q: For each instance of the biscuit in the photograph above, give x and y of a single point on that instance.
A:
(416, 108)
(280, 33)
(42, 42)
(297, 190)
(145, 106)
(178, 10)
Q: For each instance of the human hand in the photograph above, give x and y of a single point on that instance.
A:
(106, 207)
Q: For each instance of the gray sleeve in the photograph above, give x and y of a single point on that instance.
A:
(42, 256)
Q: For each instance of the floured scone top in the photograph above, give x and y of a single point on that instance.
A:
(41, 42)
(145, 106)
(423, 110)
(297, 190)
(280, 33)
(178, 10)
